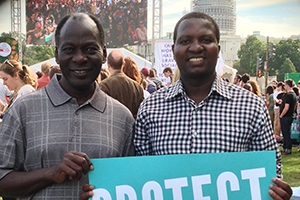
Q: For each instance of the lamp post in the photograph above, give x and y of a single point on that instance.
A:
(266, 63)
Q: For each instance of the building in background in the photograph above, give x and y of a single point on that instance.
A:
(223, 11)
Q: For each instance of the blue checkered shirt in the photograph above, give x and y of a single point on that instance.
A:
(229, 119)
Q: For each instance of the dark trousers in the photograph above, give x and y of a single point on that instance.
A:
(286, 123)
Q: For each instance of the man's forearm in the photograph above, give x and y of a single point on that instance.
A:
(17, 184)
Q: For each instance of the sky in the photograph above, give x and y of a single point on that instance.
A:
(274, 18)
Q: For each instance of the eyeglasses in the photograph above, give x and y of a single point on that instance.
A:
(7, 62)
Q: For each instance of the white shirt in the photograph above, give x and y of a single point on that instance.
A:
(25, 89)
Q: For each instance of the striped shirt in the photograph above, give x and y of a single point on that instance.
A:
(229, 119)
(41, 127)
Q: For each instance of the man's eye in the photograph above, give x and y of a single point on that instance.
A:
(207, 40)
(91, 49)
(68, 50)
(184, 41)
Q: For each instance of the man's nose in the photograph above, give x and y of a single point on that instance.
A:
(196, 46)
(79, 56)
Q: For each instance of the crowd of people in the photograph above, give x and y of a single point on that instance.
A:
(49, 135)
(124, 22)
(283, 103)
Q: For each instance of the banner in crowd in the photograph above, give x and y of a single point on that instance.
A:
(8, 49)
(243, 175)
(124, 22)
(164, 56)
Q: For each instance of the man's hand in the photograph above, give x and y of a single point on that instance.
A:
(281, 190)
(72, 167)
(87, 192)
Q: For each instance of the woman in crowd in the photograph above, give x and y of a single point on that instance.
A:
(131, 70)
(270, 102)
(17, 77)
(255, 88)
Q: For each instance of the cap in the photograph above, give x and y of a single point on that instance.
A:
(145, 71)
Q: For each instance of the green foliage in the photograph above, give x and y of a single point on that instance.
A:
(248, 54)
(241, 70)
(287, 67)
(286, 60)
(35, 54)
(285, 49)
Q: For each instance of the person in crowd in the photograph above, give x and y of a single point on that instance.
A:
(145, 76)
(65, 123)
(17, 78)
(131, 70)
(237, 79)
(277, 95)
(244, 79)
(141, 32)
(39, 74)
(49, 13)
(54, 70)
(176, 75)
(286, 114)
(270, 102)
(145, 86)
(5, 93)
(248, 87)
(201, 95)
(274, 84)
(104, 74)
(168, 73)
(153, 77)
(120, 86)
(255, 87)
(45, 79)
(298, 85)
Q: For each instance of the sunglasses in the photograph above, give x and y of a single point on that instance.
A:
(7, 62)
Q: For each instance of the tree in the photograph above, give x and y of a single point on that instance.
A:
(248, 55)
(35, 54)
(287, 67)
(285, 49)
(241, 70)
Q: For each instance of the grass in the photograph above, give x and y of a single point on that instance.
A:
(291, 168)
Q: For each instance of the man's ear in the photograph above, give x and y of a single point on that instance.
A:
(56, 56)
(104, 55)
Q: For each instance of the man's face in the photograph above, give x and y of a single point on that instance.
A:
(196, 48)
(80, 54)
(235, 80)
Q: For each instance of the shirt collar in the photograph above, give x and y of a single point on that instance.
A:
(58, 96)
(219, 86)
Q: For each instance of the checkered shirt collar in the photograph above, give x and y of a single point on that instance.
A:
(219, 86)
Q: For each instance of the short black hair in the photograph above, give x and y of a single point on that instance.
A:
(290, 82)
(197, 15)
(245, 77)
(79, 16)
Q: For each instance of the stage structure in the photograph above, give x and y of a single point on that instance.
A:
(16, 24)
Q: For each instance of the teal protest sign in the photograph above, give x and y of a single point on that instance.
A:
(244, 175)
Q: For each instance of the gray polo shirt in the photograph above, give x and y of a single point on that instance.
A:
(41, 127)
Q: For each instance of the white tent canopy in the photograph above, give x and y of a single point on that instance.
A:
(141, 62)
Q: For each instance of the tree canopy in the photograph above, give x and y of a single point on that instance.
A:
(286, 59)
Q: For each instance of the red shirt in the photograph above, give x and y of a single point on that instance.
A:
(43, 81)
